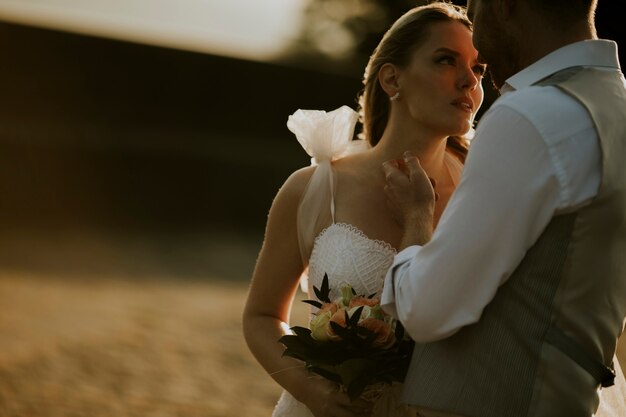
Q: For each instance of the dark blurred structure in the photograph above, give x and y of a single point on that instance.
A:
(105, 133)
(114, 139)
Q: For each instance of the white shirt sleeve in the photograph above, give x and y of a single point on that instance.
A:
(508, 193)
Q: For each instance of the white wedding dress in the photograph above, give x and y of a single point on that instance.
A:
(340, 250)
(347, 255)
(350, 258)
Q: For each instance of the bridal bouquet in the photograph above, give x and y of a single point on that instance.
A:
(351, 341)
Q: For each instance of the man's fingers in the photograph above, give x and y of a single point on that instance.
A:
(392, 171)
(411, 161)
(416, 172)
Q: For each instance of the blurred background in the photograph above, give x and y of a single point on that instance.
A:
(141, 144)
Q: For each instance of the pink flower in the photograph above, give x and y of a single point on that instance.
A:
(339, 318)
(363, 301)
(385, 336)
(332, 307)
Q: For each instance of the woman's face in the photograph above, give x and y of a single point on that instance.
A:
(441, 86)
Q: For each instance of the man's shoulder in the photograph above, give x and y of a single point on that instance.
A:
(531, 99)
(549, 109)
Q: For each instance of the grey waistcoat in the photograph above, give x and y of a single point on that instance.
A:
(543, 344)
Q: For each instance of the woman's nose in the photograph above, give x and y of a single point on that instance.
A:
(468, 79)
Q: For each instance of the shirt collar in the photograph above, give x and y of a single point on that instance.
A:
(596, 53)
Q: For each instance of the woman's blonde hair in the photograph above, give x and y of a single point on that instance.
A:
(407, 34)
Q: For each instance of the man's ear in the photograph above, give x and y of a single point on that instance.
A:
(388, 77)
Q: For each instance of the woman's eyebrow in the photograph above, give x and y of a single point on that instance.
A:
(448, 50)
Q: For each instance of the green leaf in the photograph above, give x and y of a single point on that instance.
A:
(332, 376)
(294, 343)
(376, 312)
(293, 354)
(356, 316)
(313, 303)
(323, 293)
(301, 331)
(354, 373)
(339, 329)
(367, 335)
(325, 290)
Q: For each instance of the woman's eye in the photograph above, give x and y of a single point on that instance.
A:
(448, 60)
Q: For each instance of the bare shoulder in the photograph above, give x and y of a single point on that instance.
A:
(350, 168)
(299, 179)
(293, 188)
(356, 169)
(296, 183)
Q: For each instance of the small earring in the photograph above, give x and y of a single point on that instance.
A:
(395, 97)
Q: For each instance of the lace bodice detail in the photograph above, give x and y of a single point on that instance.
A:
(349, 257)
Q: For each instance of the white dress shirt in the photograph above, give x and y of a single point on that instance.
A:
(535, 154)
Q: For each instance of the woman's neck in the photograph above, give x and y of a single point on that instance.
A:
(429, 149)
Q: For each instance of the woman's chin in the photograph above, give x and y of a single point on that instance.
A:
(462, 128)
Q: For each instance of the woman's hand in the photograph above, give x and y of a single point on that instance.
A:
(411, 198)
(325, 399)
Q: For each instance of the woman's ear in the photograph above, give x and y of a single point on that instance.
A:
(388, 77)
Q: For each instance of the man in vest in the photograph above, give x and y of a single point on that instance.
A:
(517, 300)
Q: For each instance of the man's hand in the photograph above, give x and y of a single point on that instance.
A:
(411, 198)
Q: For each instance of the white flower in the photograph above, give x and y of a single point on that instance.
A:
(365, 314)
(319, 325)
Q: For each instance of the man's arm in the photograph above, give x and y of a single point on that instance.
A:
(508, 193)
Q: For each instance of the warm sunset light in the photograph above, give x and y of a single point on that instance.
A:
(167, 248)
(250, 29)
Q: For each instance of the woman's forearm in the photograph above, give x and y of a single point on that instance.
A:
(262, 334)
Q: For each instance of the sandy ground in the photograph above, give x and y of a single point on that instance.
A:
(92, 326)
(123, 347)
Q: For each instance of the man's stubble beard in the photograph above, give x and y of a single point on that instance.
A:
(504, 63)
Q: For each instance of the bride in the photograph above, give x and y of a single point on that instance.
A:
(421, 92)
(422, 88)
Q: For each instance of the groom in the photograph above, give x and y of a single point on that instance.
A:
(519, 297)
